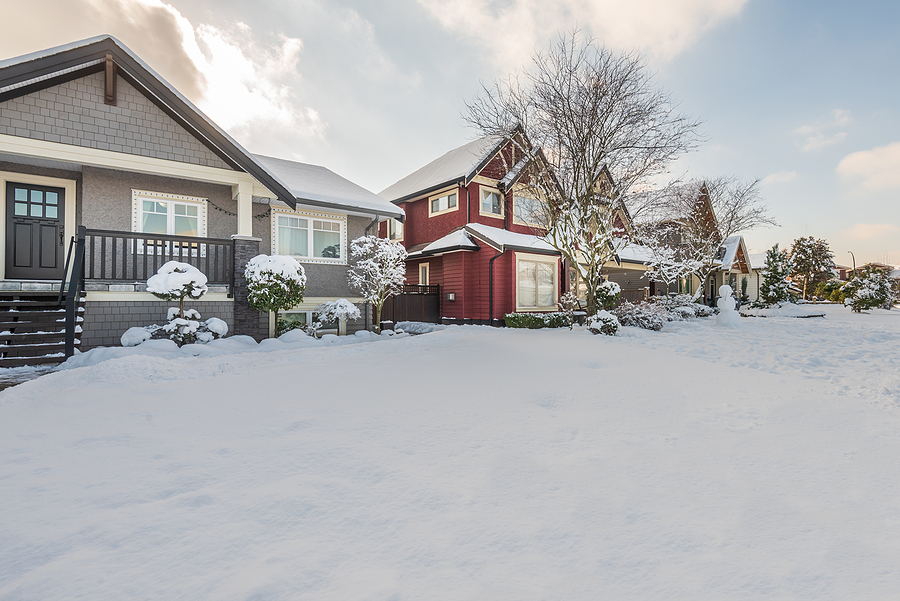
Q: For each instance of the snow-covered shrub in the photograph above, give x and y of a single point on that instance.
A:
(703, 310)
(181, 330)
(275, 283)
(830, 291)
(868, 290)
(175, 281)
(603, 322)
(682, 313)
(377, 270)
(649, 316)
(608, 295)
(337, 311)
(535, 321)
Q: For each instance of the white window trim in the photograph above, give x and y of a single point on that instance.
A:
(533, 258)
(138, 196)
(447, 192)
(310, 215)
(481, 191)
(402, 229)
(427, 267)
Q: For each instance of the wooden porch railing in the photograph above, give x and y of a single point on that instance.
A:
(134, 256)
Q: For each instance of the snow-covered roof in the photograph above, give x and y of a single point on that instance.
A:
(635, 253)
(455, 240)
(319, 185)
(731, 244)
(453, 166)
(507, 240)
(757, 260)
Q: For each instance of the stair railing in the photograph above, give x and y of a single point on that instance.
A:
(76, 282)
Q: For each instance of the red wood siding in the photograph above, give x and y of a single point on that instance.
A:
(420, 228)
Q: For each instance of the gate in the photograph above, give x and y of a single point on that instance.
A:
(414, 303)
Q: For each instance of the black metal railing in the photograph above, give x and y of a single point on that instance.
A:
(75, 287)
(134, 257)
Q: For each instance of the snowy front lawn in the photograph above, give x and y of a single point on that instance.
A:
(469, 463)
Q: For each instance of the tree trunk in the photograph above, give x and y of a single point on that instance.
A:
(378, 317)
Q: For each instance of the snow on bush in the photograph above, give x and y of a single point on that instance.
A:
(603, 322)
(274, 283)
(649, 316)
(177, 281)
(337, 310)
(135, 336)
(870, 289)
(535, 321)
(608, 295)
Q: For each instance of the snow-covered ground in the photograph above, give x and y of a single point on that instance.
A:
(699, 462)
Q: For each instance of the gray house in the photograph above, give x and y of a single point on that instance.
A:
(94, 145)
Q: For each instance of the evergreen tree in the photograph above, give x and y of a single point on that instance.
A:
(812, 261)
(774, 287)
(870, 289)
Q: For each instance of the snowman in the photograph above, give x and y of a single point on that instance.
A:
(727, 315)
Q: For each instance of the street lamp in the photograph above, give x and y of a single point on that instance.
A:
(854, 261)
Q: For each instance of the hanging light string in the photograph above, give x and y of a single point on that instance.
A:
(259, 217)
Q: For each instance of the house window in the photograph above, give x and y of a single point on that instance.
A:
(536, 284)
(423, 274)
(527, 210)
(443, 203)
(168, 214)
(307, 236)
(491, 203)
(395, 229)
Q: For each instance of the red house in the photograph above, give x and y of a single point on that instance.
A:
(469, 229)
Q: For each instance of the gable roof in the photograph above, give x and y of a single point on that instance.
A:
(735, 249)
(460, 164)
(319, 186)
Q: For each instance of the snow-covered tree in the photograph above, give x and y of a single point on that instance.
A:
(176, 281)
(812, 261)
(274, 283)
(668, 263)
(336, 311)
(608, 294)
(377, 270)
(707, 212)
(593, 131)
(774, 287)
(870, 289)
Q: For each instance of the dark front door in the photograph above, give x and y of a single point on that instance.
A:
(34, 232)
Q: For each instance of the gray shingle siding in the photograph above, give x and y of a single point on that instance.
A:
(74, 113)
(106, 321)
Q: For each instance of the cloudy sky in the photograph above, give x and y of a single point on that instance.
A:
(804, 94)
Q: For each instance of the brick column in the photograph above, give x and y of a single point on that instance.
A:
(247, 321)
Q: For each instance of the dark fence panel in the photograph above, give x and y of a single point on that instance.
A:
(134, 257)
(414, 303)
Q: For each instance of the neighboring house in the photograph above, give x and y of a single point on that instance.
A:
(734, 266)
(91, 137)
(470, 229)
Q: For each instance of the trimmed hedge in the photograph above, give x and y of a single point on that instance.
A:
(536, 321)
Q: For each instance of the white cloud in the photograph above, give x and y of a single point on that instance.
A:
(781, 177)
(872, 231)
(821, 140)
(511, 30)
(879, 168)
(815, 136)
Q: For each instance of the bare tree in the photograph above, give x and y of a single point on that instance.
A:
(593, 131)
(708, 212)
